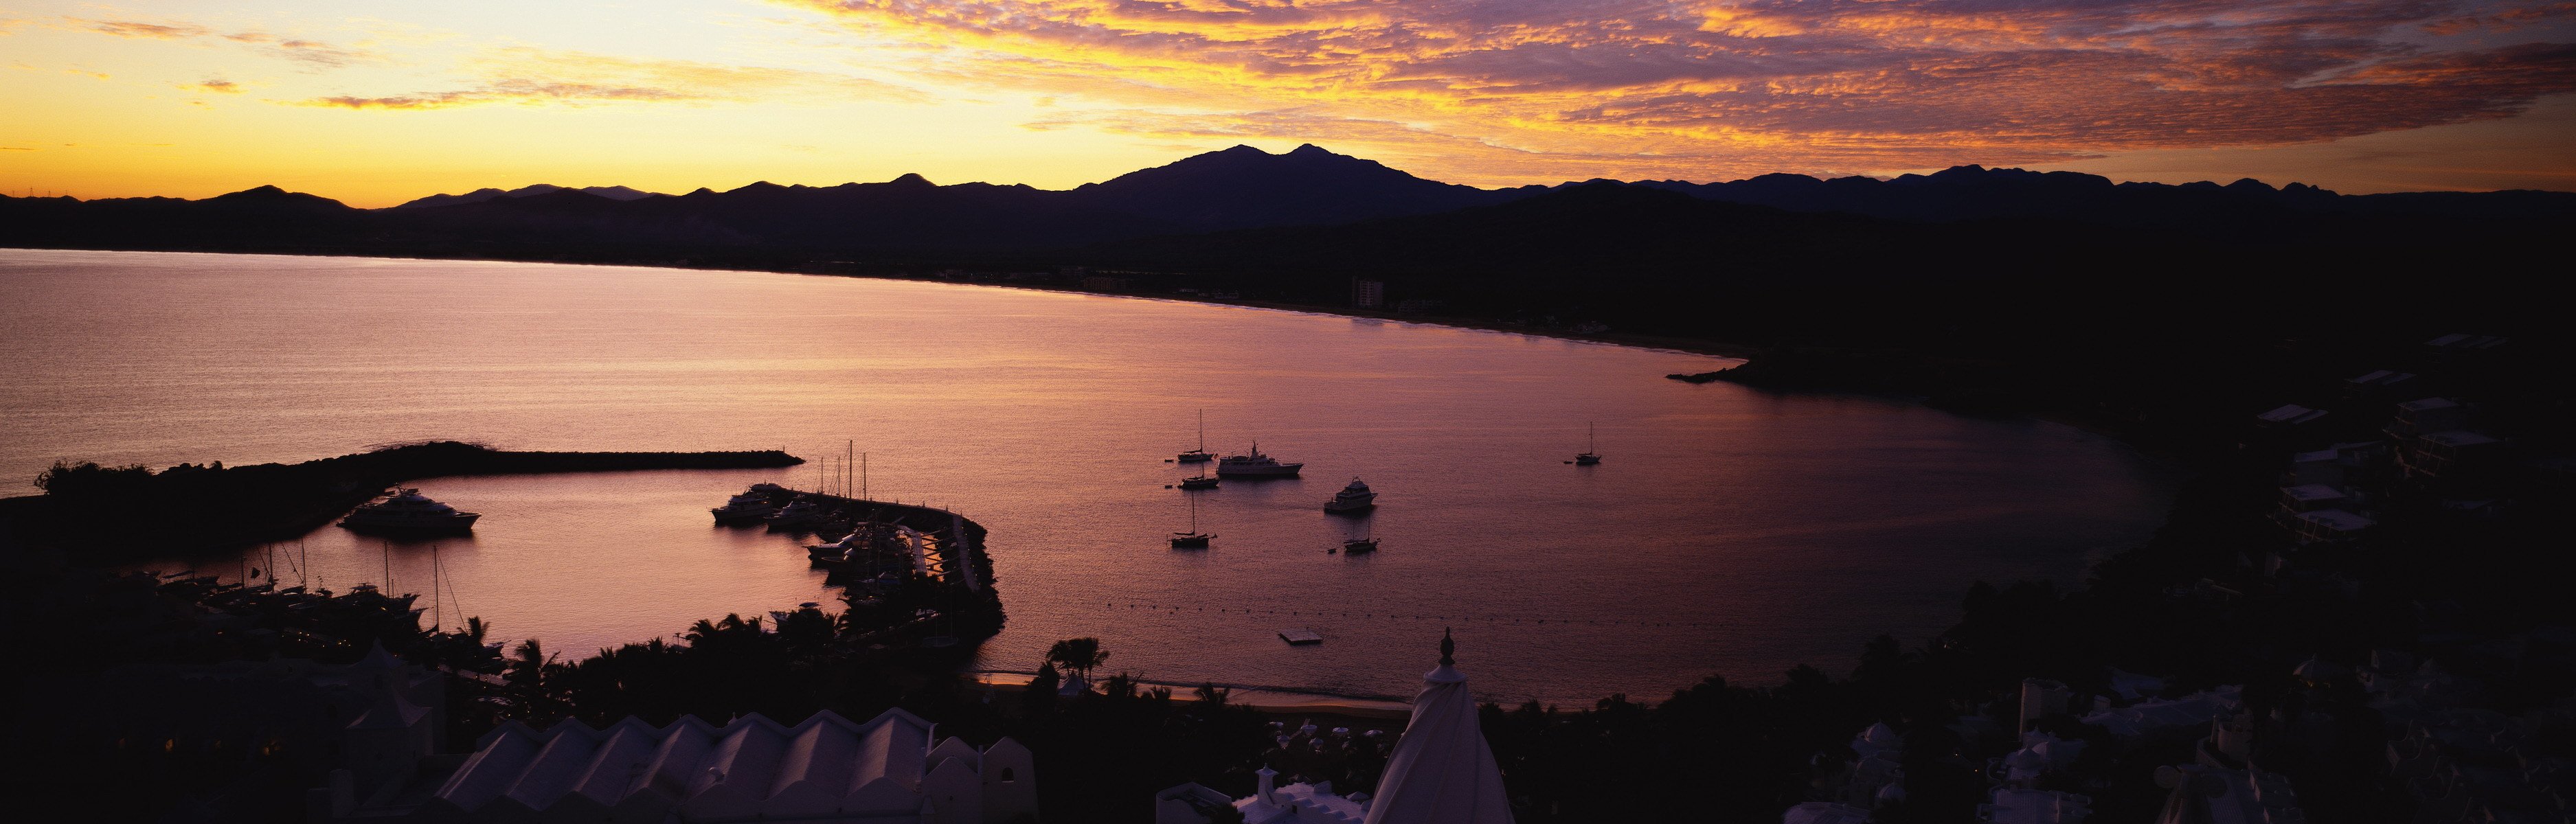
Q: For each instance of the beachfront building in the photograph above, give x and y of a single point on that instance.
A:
(1440, 772)
(826, 770)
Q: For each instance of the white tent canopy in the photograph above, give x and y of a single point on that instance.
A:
(1442, 772)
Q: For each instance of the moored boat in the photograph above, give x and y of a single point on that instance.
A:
(1192, 539)
(1354, 498)
(1255, 465)
(744, 508)
(798, 514)
(1199, 455)
(406, 510)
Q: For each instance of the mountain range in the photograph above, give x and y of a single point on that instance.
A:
(1235, 189)
(1968, 251)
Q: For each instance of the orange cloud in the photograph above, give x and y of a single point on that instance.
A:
(1508, 87)
(149, 31)
(535, 77)
(213, 85)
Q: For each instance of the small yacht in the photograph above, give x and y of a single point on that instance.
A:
(1192, 539)
(1588, 458)
(1255, 465)
(406, 510)
(1199, 455)
(745, 508)
(1202, 481)
(1352, 499)
(798, 513)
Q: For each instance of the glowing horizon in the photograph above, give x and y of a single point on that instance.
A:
(375, 103)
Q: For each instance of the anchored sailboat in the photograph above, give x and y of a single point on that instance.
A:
(1192, 539)
(1199, 455)
(1367, 542)
(1588, 458)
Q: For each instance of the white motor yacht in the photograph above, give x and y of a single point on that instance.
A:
(745, 508)
(1353, 498)
(406, 510)
(798, 513)
(1256, 465)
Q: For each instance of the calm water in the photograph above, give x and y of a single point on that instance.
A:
(1748, 531)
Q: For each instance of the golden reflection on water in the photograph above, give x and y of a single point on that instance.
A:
(1727, 531)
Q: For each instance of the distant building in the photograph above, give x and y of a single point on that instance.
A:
(1441, 770)
(1368, 294)
(1419, 306)
(826, 770)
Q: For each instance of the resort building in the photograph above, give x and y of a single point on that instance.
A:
(1440, 772)
(1368, 294)
(825, 770)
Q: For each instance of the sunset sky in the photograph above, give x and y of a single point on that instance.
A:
(375, 103)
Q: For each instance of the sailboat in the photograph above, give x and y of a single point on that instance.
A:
(1588, 458)
(1199, 455)
(1191, 539)
(1367, 542)
(1201, 481)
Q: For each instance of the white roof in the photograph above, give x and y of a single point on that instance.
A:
(1441, 771)
(2460, 437)
(2312, 492)
(1824, 812)
(2337, 519)
(2284, 413)
(749, 768)
(2196, 708)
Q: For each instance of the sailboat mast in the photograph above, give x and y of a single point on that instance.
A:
(1203, 432)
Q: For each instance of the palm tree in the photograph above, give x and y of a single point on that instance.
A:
(530, 664)
(1078, 654)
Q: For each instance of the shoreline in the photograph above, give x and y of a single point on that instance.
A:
(90, 509)
(1681, 345)
(1265, 700)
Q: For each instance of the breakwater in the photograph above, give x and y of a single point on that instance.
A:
(910, 571)
(103, 513)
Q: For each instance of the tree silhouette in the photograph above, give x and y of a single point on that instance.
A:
(1078, 655)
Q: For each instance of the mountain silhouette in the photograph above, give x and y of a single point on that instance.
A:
(1169, 212)
(481, 195)
(1245, 187)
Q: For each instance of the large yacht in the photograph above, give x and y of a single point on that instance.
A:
(747, 507)
(406, 510)
(1353, 498)
(1256, 465)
